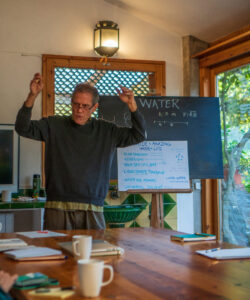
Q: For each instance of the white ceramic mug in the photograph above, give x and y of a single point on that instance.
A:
(6, 196)
(90, 275)
(82, 246)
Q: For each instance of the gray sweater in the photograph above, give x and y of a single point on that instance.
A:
(78, 157)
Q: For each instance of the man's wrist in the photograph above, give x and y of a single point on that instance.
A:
(132, 107)
(30, 100)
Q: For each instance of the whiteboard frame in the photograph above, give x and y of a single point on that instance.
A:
(159, 191)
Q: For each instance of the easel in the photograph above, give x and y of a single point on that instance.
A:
(157, 211)
(152, 162)
(157, 204)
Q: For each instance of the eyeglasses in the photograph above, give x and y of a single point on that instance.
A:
(82, 106)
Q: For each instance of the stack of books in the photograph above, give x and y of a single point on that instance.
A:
(9, 244)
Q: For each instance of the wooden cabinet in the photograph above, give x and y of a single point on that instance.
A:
(6, 222)
(14, 220)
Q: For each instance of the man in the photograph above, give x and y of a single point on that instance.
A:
(78, 155)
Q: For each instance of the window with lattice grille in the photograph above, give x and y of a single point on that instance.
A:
(106, 82)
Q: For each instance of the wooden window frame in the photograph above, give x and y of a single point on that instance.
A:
(50, 62)
(228, 53)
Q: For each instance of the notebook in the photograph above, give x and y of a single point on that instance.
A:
(226, 253)
(193, 237)
(35, 253)
(57, 292)
(99, 248)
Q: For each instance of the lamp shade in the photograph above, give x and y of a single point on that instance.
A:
(106, 38)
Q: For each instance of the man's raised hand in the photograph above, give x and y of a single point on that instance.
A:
(127, 96)
(36, 84)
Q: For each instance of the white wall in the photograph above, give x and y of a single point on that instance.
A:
(185, 213)
(29, 28)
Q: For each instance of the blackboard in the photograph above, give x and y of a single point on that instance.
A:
(195, 119)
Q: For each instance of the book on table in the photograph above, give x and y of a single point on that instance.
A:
(30, 279)
(35, 253)
(34, 280)
(99, 248)
(193, 237)
(9, 244)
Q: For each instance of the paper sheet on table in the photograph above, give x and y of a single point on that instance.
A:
(41, 234)
(226, 253)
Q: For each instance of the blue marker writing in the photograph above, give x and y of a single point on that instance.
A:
(212, 250)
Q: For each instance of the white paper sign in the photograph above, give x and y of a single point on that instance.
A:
(153, 165)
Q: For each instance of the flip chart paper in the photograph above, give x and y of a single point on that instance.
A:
(153, 165)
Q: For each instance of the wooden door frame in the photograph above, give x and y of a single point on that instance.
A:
(228, 53)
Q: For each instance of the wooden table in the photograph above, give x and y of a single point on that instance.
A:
(153, 267)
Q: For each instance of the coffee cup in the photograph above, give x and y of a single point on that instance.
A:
(6, 196)
(82, 246)
(90, 275)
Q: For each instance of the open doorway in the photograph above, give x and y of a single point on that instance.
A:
(233, 89)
